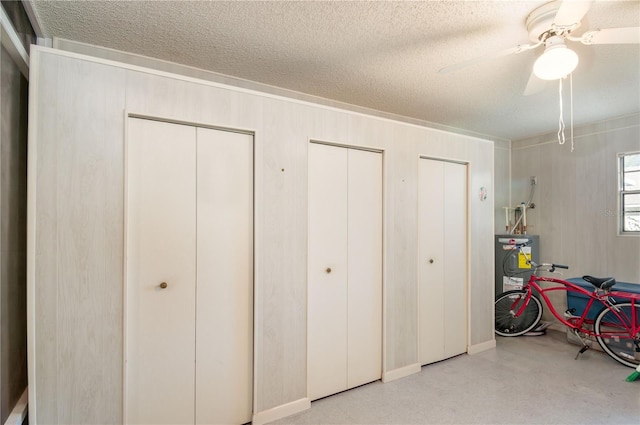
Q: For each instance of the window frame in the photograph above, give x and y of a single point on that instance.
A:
(621, 195)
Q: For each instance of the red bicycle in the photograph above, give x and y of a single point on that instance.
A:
(616, 327)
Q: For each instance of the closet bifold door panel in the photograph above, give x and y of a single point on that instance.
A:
(455, 259)
(161, 246)
(364, 282)
(189, 275)
(442, 274)
(224, 304)
(345, 269)
(327, 274)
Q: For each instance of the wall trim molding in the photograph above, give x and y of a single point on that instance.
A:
(19, 412)
(281, 411)
(584, 131)
(134, 59)
(401, 372)
(483, 346)
(194, 75)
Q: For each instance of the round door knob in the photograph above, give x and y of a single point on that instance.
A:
(163, 285)
(328, 270)
(431, 261)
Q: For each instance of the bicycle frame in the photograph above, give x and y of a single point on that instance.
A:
(597, 296)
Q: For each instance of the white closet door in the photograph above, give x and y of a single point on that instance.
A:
(455, 259)
(345, 269)
(224, 307)
(365, 267)
(431, 260)
(442, 207)
(161, 246)
(327, 271)
(189, 224)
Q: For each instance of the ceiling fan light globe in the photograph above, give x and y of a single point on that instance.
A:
(556, 62)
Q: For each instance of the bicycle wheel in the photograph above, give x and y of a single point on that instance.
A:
(613, 333)
(507, 304)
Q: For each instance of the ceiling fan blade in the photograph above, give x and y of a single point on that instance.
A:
(534, 85)
(627, 35)
(506, 52)
(571, 13)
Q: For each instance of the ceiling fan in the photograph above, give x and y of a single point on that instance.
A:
(552, 25)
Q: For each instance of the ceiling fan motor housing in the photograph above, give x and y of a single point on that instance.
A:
(553, 41)
(540, 23)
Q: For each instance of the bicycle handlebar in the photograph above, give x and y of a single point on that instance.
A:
(557, 266)
(552, 267)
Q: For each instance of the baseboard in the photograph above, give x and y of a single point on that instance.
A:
(401, 372)
(559, 327)
(483, 346)
(19, 412)
(281, 411)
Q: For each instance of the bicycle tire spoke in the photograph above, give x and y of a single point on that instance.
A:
(615, 333)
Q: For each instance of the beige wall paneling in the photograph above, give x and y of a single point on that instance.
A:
(42, 305)
(626, 249)
(401, 177)
(481, 253)
(576, 199)
(281, 349)
(72, 90)
(442, 259)
(501, 195)
(191, 102)
(345, 269)
(77, 225)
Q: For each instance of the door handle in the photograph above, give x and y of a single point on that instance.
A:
(431, 261)
(328, 270)
(163, 285)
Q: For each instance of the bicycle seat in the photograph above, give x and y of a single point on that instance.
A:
(600, 282)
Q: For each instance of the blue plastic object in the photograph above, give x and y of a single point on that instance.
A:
(579, 301)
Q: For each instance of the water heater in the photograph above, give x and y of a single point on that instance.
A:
(512, 270)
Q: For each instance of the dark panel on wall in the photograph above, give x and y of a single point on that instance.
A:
(20, 21)
(13, 205)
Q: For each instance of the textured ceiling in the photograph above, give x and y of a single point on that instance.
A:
(383, 55)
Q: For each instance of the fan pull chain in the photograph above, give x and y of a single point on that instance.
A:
(571, 106)
(561, 126)
(561, 138)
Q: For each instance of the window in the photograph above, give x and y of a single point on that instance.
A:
(629, 188)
